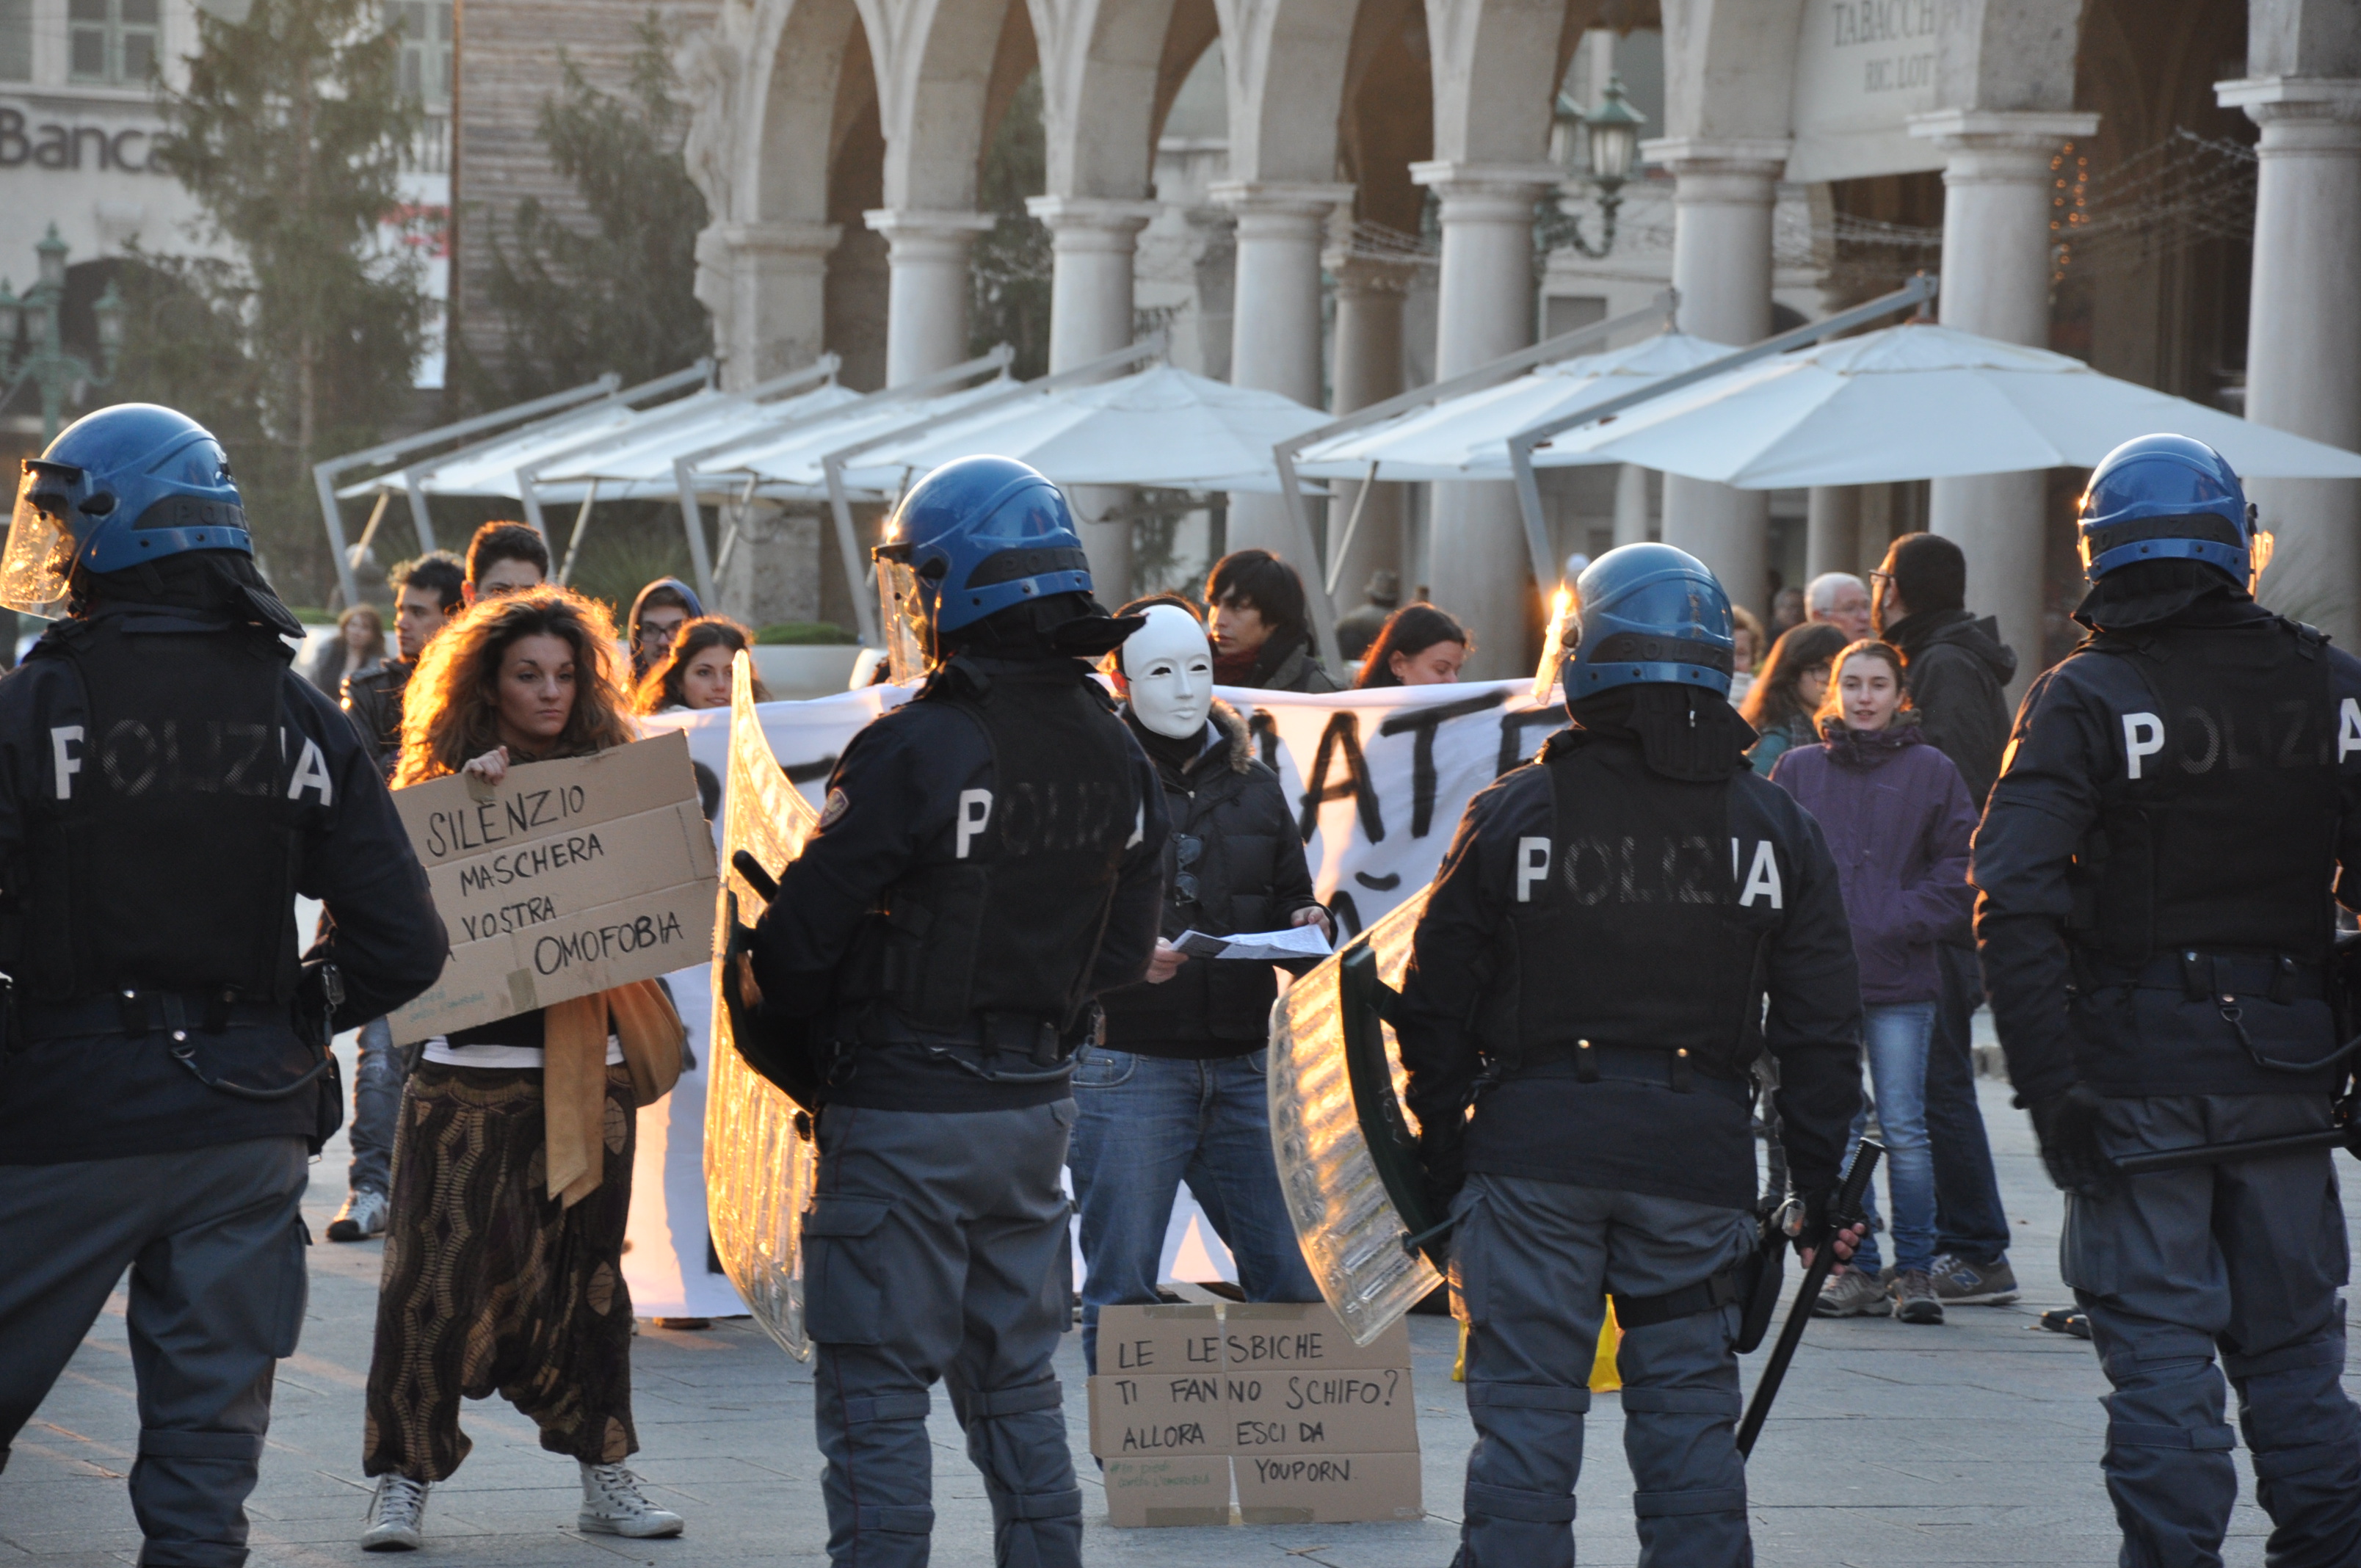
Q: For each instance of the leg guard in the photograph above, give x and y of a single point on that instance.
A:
(1690, 1506)
(2167, 1465)
(2306, 1438)
(1520, 1475)
(880, 1482)
(1017, 1439)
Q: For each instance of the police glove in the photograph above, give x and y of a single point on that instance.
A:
(2067, 1125)
(1445, 1162)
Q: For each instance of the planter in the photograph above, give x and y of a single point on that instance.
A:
(805, 670)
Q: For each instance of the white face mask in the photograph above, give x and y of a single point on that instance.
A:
(1170, 667)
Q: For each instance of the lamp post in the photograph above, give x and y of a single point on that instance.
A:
(1609, 136)
(38, 319)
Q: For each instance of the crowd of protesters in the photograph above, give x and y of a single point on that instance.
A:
(496, 1161)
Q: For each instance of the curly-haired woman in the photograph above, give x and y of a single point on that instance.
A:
(695, 671)
(512, 1164)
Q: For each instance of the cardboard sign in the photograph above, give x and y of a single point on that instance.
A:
(1313, 1428)
(564, 879)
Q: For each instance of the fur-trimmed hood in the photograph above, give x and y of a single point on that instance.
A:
(1233, 725)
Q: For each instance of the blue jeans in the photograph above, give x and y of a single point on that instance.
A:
(1968, 1219)
(1897, 1037)
(377, 1102)
(1147, 1123)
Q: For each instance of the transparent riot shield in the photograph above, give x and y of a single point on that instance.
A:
(1341, 1133)
(760, 1155)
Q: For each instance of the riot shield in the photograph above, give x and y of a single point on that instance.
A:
(759, 1157)
(1342, 1136)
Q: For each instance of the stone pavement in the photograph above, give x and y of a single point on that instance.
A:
(1975, 1442)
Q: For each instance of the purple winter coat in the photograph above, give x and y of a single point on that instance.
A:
(1897, 819)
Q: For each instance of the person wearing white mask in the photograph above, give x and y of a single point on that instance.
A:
(1176, 1091)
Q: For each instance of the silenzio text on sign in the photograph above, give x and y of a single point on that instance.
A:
(54, 145)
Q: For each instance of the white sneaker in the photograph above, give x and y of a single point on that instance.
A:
(393, 1515)
(612, 1504)
(364, 1215)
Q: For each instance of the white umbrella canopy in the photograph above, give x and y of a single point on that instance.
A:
(1163, 427)
(488, 467)
(637, 462)
(1466, 437)
(785, 464)
(1918, 402)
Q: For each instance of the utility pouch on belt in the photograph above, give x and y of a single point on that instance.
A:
(1769, 1267)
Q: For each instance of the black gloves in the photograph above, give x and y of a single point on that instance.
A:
(1445, 1161)
(2067, 1127)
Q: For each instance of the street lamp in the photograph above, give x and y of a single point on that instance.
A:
(36, 317)
(1609, 136)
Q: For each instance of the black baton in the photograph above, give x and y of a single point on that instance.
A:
(2215, 1154)
(1845, 1211)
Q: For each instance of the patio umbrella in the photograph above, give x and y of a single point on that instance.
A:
(786, 466)
(635, 461)
(1918, 402)
(1466, 437)
(1163, 427)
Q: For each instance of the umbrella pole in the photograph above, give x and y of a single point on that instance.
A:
(574, 541)
(1344, 544)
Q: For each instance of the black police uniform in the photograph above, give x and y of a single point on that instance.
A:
(2155, 869)
(1591, 969)
(168, 786)
(989, 857)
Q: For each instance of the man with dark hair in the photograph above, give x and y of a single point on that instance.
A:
(1262, 635)
(427, 594)
(505, 558)
(1955, 668)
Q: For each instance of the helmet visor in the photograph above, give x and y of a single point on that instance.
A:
(902, 619)
(39, 558)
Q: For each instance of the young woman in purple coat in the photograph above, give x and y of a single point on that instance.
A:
(1897, 820)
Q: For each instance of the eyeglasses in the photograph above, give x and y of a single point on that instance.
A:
(1185, 850)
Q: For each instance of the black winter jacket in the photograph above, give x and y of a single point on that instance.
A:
(1956, 668)
(1249, 873)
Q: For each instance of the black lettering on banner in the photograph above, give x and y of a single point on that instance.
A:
(1514, 726)
(1423, 722)
(1348, 914)
(1343, 733)
(1264, 729)
(804, 772)
(1385, 883)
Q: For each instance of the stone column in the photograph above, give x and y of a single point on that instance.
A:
(1369, 370)
(1275, 323)
(1090, 314)
(2303, 333)
(1478, 567)
(1631, 504)
(1832, 530)
(926, 313)
(765, 285)
(1997, 185)
(1722, 197)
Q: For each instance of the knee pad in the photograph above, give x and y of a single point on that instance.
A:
(991, 1404)
(875, 1409)
(2292, 1403)
(1682, 1402)
(1547, 1398)
(1521, 1506)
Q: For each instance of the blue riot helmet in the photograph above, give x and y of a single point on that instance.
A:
(2166, 498)
(1649, 613)
(131, 483)
(970, 540)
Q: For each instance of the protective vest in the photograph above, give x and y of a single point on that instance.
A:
(2217, 831)
(1009, 927)
(1624, 929)
(163, 854)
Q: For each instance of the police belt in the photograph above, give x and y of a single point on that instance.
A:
(1588, 1062)
(1007, 1048)
(146, 1011)
(2200, 975)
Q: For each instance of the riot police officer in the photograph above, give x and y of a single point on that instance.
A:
(989, 857)
(168, 787)
(1590, 973)
(2155, 870)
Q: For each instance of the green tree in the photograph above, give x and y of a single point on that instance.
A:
(290, 134)
(616, 292)
(1009, 268)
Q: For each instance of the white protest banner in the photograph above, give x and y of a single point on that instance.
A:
(1388, 771)
(564, 879)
